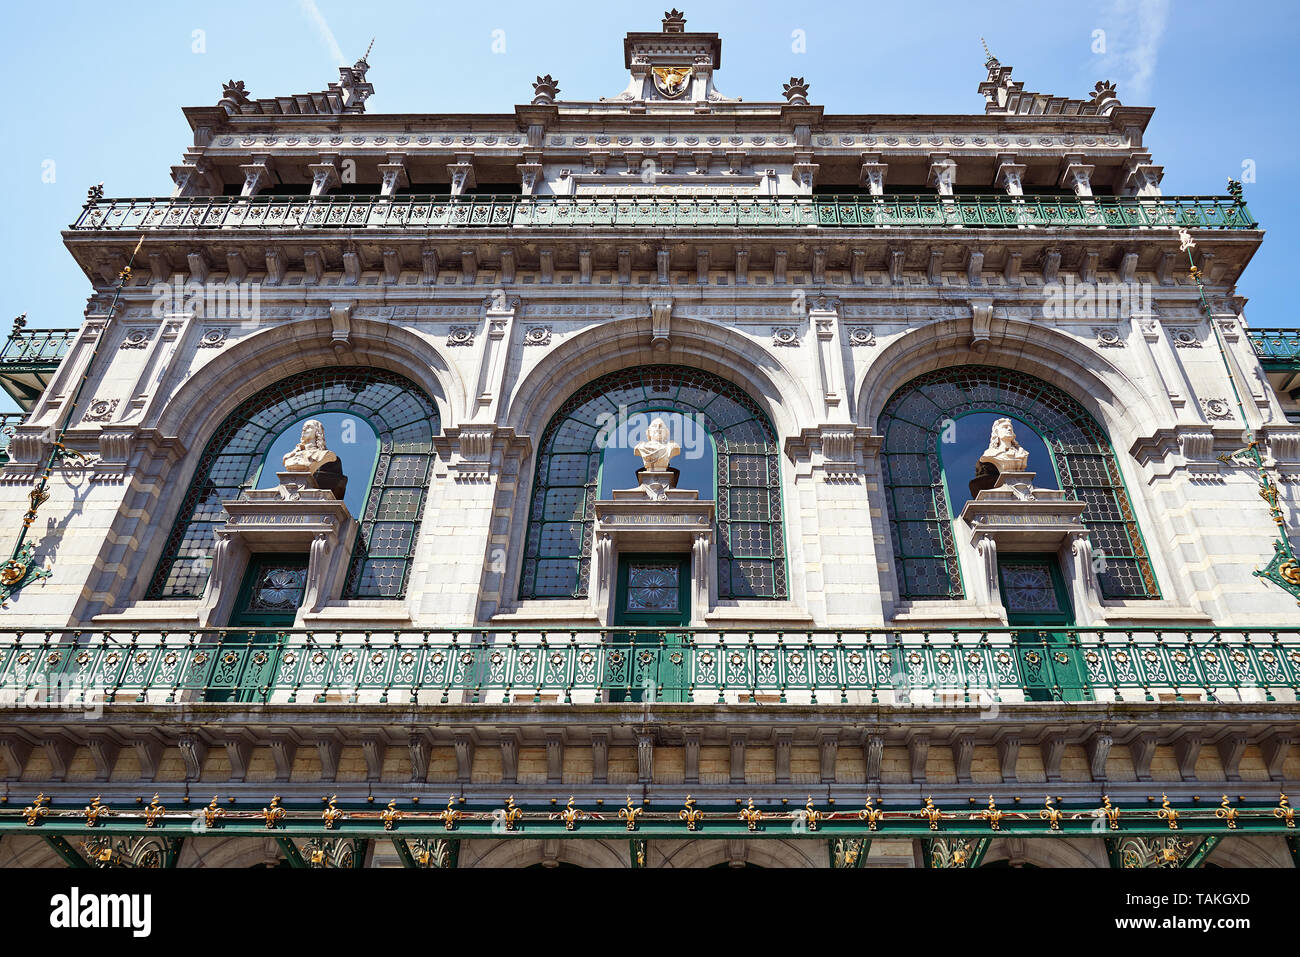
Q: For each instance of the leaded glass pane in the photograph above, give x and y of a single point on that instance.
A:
(912, 423)
(747, 481)
(405, 420)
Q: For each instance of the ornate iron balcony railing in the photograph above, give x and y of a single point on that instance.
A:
(8, 421)
(36, 346)
(506, 212)
(1276, 346)
(951, 668)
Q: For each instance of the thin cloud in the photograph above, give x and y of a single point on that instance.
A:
(1134, 32)
(313, 14)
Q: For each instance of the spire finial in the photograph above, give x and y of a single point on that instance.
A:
(988, 54)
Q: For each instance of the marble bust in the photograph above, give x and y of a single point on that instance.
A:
(310, 456)
(310, 453)
(657, 448)
(1004, 452)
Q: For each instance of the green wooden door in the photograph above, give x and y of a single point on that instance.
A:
(1035, 597)
(266, 605)
(653, 592)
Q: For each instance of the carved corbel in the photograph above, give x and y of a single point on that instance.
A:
(1010, 174)
(393, 175)
(872, 174)
(1076, 174)
(257, 175)
(661, 320)
(276, 266)
(325, 176)
(981, 325)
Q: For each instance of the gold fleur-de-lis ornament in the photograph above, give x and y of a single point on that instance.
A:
(931, 813)
(212, 814)
(1167, 812)
(570, 815)
(37, 809)
(751, 815)
(811, 814)
(1227, 812)
(1051, 814)
(1111, 812)
(95, 810)
(629, 814)
(273, 814)
(512, 813)
(1284, 811)
(390, 815)
(332, 813)
(691, 815)
(450, 816)
(153, 813)
(872, 815)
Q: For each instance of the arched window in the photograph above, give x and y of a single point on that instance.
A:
(913, 426)
(746, 479)
(403, 419)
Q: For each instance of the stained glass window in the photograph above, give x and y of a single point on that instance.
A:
(405, 420)
(912, 424)
(747, 482)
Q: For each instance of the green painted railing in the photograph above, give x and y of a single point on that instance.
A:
(36, 346)
(505, 212)
(1276, 346)
(8, 422)
(958, 667)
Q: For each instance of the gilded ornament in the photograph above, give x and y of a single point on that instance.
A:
(154, 813)
(629, 814)
(450, 816)
(95, 810)
(1111, 812)
(691, 815)
(751, 815)
(811, 814)
(1284, 811)
(871, 815)
(332, 814)
(390, 815)
(273, 814)
(212, 814)
(1051, 814)
(1167, 812)
(932, 813)
(512, 813)
(37, 809)
(992, 815)
(1227, 813)
(570, 815)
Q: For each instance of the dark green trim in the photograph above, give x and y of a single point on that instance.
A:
(66, 851)
(290, 852)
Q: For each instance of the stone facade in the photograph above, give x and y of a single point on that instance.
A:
(501, 324)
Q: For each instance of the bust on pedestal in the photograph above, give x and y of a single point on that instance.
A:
(657, 476)
(309, 464)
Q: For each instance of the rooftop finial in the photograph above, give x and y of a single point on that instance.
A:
(674, 21)
(988, 54)
(366, 56)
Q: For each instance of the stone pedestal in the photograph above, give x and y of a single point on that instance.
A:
(1014, 516)
(654, 517)
(294, 517)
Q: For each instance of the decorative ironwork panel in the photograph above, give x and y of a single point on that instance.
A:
(652, 586)
(751, 531)
(405, 420)
(831, 211)
(920, 522)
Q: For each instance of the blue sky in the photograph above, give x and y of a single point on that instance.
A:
(98, 92)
